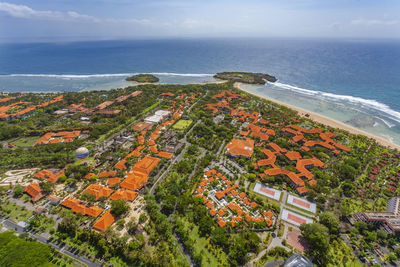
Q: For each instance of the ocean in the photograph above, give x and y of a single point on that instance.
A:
(353, 81)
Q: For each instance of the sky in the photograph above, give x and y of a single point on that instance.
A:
(29, 20)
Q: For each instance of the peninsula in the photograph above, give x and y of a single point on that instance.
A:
(245, 77)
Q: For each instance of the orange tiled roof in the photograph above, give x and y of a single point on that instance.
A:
(89, 175)
(105, 221)
(58, 137)
(221, 223)
(49, 175)
(34, 191)
(124, 194)
(292, 176)
(301, 190)
(154, 149)
(107, 174)
(236, 207)
(139, 174)
(137, 153)
(293, 155)
(113, 181)
(220, 194)
(98, 191)
(166, 155)
(167, 94)
(77, 207)
(240, 147)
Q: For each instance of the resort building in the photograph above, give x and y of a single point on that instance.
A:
(139, 175)
(128, 195)
(98, 191)
(240, 148)
(158, 116)
(59, 137)
(50, 176)
(76, 206)
(387, 221)
(228, 205)
(105, 221)
(34, 191)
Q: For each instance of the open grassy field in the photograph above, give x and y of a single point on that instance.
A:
(16, 212)
(24, 141)
(182, 124)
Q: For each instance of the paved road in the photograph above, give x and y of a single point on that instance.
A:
(59, 246)
(176, 159)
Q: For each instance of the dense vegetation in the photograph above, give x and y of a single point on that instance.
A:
(245, 77)
(23, 251)
(143, 78)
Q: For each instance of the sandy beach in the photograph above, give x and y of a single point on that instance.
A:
(328, 121)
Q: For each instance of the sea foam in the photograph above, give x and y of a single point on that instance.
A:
(366, 103)
(86, 76)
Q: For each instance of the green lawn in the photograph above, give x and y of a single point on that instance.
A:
(181, 125)
(24, 141)
(201, 246)
(16, 212)
(90, 161)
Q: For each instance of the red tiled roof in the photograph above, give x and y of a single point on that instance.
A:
(34, 191)
(167, 94)
(113, 181)
(98, 191)
(49, 175)
(76, 206)
(107, 174)
(154, 149)
(124, 194)
(166, 155)
(105, 221)
(240, 147)
(138, 176)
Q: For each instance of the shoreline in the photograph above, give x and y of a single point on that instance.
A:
(326, 120)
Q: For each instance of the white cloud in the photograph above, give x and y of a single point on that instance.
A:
(21, 11)
(75, 15)
(25, 12)
(374, 22)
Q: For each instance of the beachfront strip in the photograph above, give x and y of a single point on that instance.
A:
(256, 132)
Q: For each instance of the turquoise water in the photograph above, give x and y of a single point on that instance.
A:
(370, 118)
(354, 81)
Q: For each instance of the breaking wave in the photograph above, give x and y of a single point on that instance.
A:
(366, 103)
(86, 76)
